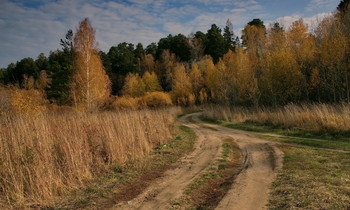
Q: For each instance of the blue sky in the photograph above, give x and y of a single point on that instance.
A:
(29, 27)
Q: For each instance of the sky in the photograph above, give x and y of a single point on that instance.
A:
(31, 27)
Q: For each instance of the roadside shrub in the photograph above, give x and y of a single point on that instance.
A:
(157, 99)
(28, 101)
(126, 102)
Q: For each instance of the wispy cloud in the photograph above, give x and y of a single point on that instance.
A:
(32, 26)
(312, 22)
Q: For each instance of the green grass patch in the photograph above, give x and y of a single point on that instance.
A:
(322, 143)
(312, 179)
(123, 183)
(289, 135)
(206, 191)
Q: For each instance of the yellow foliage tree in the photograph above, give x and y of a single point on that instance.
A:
(332, 57)
(91, 86)
(282, 77)
(196, 79)
(133, 86)
(182, 87)
(211, 77)
(247, 82)
(150, 81)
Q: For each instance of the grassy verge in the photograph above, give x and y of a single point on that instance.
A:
(312, 179)
(206, 191)
(321, 143)
(289, 136)
(126, 182)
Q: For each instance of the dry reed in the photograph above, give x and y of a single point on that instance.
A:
(316, 118)
(45, 155)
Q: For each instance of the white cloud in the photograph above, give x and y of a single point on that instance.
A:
(317, 4)
(312, 22)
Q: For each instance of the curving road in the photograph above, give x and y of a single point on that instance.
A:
(250, 189)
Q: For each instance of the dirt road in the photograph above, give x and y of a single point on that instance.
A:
(251, 187)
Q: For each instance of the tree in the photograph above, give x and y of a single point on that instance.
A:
(229, 37)
(60, 71)
(332, 50)
(148, 63)
(152, 49)
(197, 47)
(123, 61)
(168, 62)
(178, 45)
(91, 85)
(133, 86)
(253, 37)
(196, 79)
(282, 78)
(215, 45)
(150, 80)
(67, 43)
(343, 6)
(247, 82)
(303, 47)
(42, 62)
(26, 66)
(181, 87)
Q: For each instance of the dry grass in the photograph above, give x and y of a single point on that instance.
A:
(315, 118)
(312, 179)
(48, 154)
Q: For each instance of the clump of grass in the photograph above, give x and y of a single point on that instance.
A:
(48, 154)
(319, 119)
(312, 179)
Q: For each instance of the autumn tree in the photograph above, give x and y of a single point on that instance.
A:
(148, 64)
(91, 85)
(133, 86)
(245, 79)
(181, 87)
(254, 39)
(211, 78)
(332, 49)
(282, 78)
(303, 47)
(168, 62)
(150, 80)
(197, 81)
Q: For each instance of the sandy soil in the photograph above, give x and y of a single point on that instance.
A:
(251, 187)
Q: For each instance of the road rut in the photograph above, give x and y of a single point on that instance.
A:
(250, 189)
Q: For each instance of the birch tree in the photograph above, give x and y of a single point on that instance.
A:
(91, 86)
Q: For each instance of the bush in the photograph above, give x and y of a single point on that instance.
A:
(126, 102)
(157, 99)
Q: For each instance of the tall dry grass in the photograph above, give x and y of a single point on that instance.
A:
(316, 118)
(47, 154)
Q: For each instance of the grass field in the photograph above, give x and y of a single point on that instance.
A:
(47, 154)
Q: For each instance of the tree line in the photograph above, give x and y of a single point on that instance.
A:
(267, 66)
